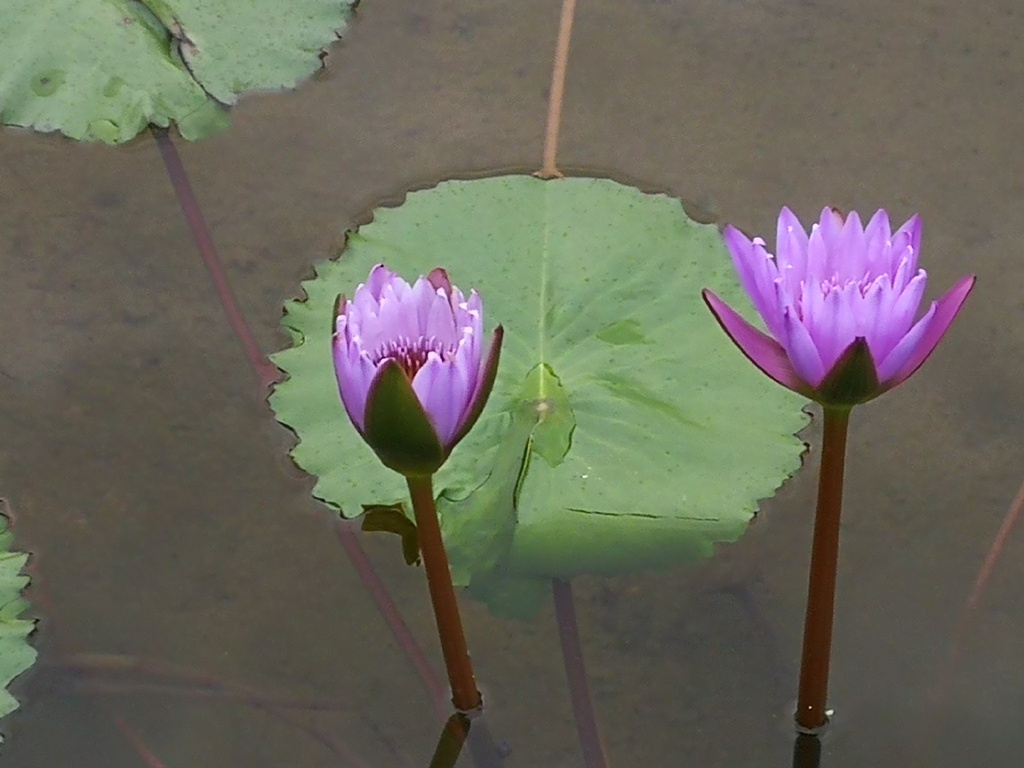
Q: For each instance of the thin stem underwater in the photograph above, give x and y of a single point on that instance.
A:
(203, 685)
(576, 672)
(465, 695)
(811, 715)
(985, 573)
(1010, 520)
(265, 370)
(133, 737)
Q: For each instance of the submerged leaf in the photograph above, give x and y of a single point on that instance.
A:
(394, 520)
(623, 431)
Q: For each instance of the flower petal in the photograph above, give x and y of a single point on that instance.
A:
(440, 322)
(757, 273)
(817, 250)
(354, 371)
(422, 302)
(438, 279)
(741, 250)
(912, 230)
(851, 256)
(470, 319)
(878, 236)
(379, 277)
(433, 386)
(790, 242)
(397, 313)
(920, 342)
(803, 355)
(484, 384)
(832, 326)
(762, 350)
(464, 373)
(898, 318)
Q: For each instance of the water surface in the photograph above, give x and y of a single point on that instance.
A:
(151, 480)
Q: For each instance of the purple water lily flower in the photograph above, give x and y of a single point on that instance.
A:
(839, 304)
(410, 366)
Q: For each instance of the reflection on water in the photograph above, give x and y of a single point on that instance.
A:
(151, 481)
(806, 751)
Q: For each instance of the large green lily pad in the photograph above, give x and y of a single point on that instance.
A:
(102, 70)
(16, 655)
(624, 430)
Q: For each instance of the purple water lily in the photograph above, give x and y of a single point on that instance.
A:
(410, 366)
(839, 304)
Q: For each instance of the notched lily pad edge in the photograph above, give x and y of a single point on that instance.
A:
(212, 116)
(11, 616)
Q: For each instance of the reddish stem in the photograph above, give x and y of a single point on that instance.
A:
(450, 743)
(576, 672)
(465, 695)
(811, 714)
(181, 681)
(980, 583)
(207, 685)
(265, 370)
(134, 738)
(985, 574)
(549, 170)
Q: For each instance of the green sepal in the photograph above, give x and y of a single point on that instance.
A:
(853, 379)
(392, 519)
(397, 428)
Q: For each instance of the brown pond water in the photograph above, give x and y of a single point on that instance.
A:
(151, 480)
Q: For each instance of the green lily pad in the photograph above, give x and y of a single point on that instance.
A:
(102, 70)
(624, 431)
(16, 655)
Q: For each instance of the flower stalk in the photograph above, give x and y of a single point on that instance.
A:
(811, 713)
(414, 378)
(465, 695)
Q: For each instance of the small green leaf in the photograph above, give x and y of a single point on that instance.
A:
(544, 393)
(393, 519)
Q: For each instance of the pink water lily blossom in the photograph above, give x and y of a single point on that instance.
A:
(411, 368)
(839, 303)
